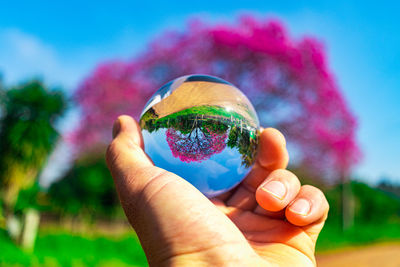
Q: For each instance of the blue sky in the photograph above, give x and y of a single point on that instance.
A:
(62, 42)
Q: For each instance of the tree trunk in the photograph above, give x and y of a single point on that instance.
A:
(13, 223)
(13, 226)
(347, 204)
(31, 225)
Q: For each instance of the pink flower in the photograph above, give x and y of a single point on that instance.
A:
(288, 81)
(196, 146)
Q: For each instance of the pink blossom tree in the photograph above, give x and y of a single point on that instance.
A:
(288, 81)
(197, 145)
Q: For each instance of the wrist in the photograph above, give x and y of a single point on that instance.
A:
(229, 255)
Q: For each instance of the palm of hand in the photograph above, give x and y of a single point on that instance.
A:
(268, 219)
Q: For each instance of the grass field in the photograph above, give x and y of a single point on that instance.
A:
(332, 237)
(206, 110)
(201, 110)
(62, 248)
(66, 249)
(108, 243)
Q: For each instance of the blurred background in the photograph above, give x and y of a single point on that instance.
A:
(326, 74)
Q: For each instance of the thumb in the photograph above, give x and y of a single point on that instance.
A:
(170, 216)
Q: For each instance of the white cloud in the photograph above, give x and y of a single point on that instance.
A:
(23, 56)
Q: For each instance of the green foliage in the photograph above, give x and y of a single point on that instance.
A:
(377, 218)
(28, 198)
(246, 141)
(27, 134)
(390, 187)
(233, 137)
(87, 188)
(372, 205)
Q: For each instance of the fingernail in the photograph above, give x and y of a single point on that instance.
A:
(275, 188)
(116, 128)
(301, 207)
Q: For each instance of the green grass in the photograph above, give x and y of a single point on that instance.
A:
(332, 237)
(209, 110)
(376, 218)
(66, 249)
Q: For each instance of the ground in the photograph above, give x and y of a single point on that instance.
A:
(195, 94)
(382, 255)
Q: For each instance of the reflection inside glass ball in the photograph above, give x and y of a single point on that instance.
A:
(203, 129)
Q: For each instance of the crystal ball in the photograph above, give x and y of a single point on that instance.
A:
(203, 129)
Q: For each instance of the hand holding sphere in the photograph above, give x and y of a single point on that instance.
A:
(268, 219)
(203, 129)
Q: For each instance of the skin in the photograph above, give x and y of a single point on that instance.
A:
(270, 219)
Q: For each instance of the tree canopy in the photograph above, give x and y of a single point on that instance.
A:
(87, 187)
(288, 81)
(27, 134)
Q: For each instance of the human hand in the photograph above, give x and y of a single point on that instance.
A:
(269, 219)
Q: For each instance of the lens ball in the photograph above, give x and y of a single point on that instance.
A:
(203, 129)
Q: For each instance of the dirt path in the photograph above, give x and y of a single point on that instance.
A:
(193, 94)
(381, 255)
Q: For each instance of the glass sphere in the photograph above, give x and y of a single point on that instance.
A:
(202, 128)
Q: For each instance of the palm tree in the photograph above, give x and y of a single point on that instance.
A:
(27, 137)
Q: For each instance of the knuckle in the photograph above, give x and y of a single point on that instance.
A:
(285, 175)
(276, 133)
(316, 193)
(314, 190)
